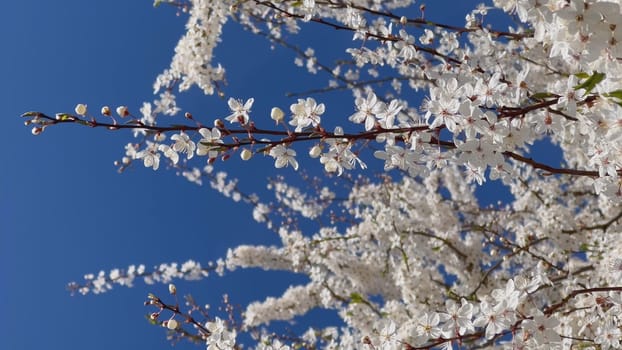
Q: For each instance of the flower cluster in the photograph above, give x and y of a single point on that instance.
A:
(412, 261)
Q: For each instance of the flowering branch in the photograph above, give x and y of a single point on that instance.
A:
(410, 259)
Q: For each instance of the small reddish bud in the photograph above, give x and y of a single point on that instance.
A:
(122, 111)
(106, 111)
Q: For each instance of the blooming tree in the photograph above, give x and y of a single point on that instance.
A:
(408, 259)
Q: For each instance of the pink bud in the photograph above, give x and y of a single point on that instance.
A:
(122, 111)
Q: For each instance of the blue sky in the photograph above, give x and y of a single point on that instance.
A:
(64, 210)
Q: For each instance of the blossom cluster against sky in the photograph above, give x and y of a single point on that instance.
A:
(65, 212)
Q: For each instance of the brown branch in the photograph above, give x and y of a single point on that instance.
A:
(425, 22)
(157, 302)
(553, 308)
(317, 133)
(433, 236)
(337, 26)
(604, 226)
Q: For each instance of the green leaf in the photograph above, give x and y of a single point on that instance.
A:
(582, 75)
(151, 321)
(64, 116)
(542, 95)
(356, 298)
(214, 146)
(584, 247)
(591, 82)
(616, 93)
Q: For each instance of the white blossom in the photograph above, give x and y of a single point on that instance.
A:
(283, 156)
(306, 112)
(210, 143)
(239, 110)
(407, 254)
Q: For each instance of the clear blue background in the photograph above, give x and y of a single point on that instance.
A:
(64, 210)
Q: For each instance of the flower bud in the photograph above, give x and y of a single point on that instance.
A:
(277, 114)
(80, 109)
(172, 289)
(315, 151)
(122, 111)
(106, 111)
(218, 123)
(246, 154)
(403, 20)
(36, 130)
(172, 324)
